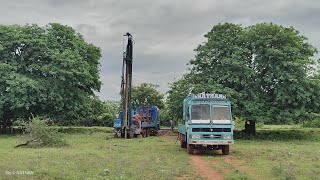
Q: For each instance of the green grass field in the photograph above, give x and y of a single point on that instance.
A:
(95, 155)
(274, 153)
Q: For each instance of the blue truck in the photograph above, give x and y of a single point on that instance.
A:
(150, 120)
(144, 121)
(207, 123)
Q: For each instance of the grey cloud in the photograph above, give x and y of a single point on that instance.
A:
(165, 31)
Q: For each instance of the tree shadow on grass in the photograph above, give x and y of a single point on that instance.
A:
(279, 135)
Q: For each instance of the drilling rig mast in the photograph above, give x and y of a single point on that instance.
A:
(126, 83)
(145, 120)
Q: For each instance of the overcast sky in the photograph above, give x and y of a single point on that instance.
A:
(165, 31)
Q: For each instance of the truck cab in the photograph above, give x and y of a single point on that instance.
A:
(207, 123)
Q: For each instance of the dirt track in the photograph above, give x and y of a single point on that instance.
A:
(215, 168)
(164, 132)
(204, 170)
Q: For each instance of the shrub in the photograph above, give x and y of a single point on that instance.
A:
(312, 124)
(240, 122)
(19, 122)
(38, 133)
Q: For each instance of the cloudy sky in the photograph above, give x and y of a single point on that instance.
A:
(165, 31)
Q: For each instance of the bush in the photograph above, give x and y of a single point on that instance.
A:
(19, 122)
(240, 122)
(312, 124)
(38, 133)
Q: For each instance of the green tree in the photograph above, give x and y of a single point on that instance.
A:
(147, 94)
(264, 69)
(110, 112)
(46, 71)
(189, 84)
(178, 91)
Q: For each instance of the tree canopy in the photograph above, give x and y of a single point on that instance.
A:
(148, 95)
(47, 71)
(110, 112)
(265, 69)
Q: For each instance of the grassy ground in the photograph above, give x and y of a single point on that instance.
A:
(274, 153)
(94, 155)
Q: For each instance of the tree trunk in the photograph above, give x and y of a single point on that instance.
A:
(250, 127)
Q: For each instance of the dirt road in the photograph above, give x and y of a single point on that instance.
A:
(217, 166)
(204, 170)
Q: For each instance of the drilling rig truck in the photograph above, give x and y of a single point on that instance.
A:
(129, 123)
(207, 123)
(150, 120)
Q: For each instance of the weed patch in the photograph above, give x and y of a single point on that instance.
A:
(282, 171)
(38, 133)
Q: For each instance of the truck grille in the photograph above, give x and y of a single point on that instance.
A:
(211, 129)
(211, 136)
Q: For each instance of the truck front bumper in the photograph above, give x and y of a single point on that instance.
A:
(211, 142)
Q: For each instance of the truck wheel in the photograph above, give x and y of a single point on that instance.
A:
(143, 133)
(116, 135)
(131, 134)
(148, 133)
(183, 144)
(190, 148)
(157, 133)
(225, 149)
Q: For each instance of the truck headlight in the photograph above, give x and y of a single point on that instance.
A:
(227, 136)
(195, 136)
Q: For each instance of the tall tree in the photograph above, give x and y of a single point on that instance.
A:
(264, 68)
(147, 94)
(46, 71)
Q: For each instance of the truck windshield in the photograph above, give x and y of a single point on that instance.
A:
(200, 112)
(220, 113)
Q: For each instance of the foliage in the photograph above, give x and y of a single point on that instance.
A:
(46, 71)
(147, 95)
(82, 129)
(102, 113)
(240, 124)
(312, 124)
(189, 85)
(178, 91)
(38, 133)
(165, 117)
(265, 70)
(110, 112)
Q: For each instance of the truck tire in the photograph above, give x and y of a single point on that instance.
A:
(147, 132)
(143, 133)
(183, 144)
(122, 135)
(131, 134)
(190, 148)
(225, 149)
(115, 135)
